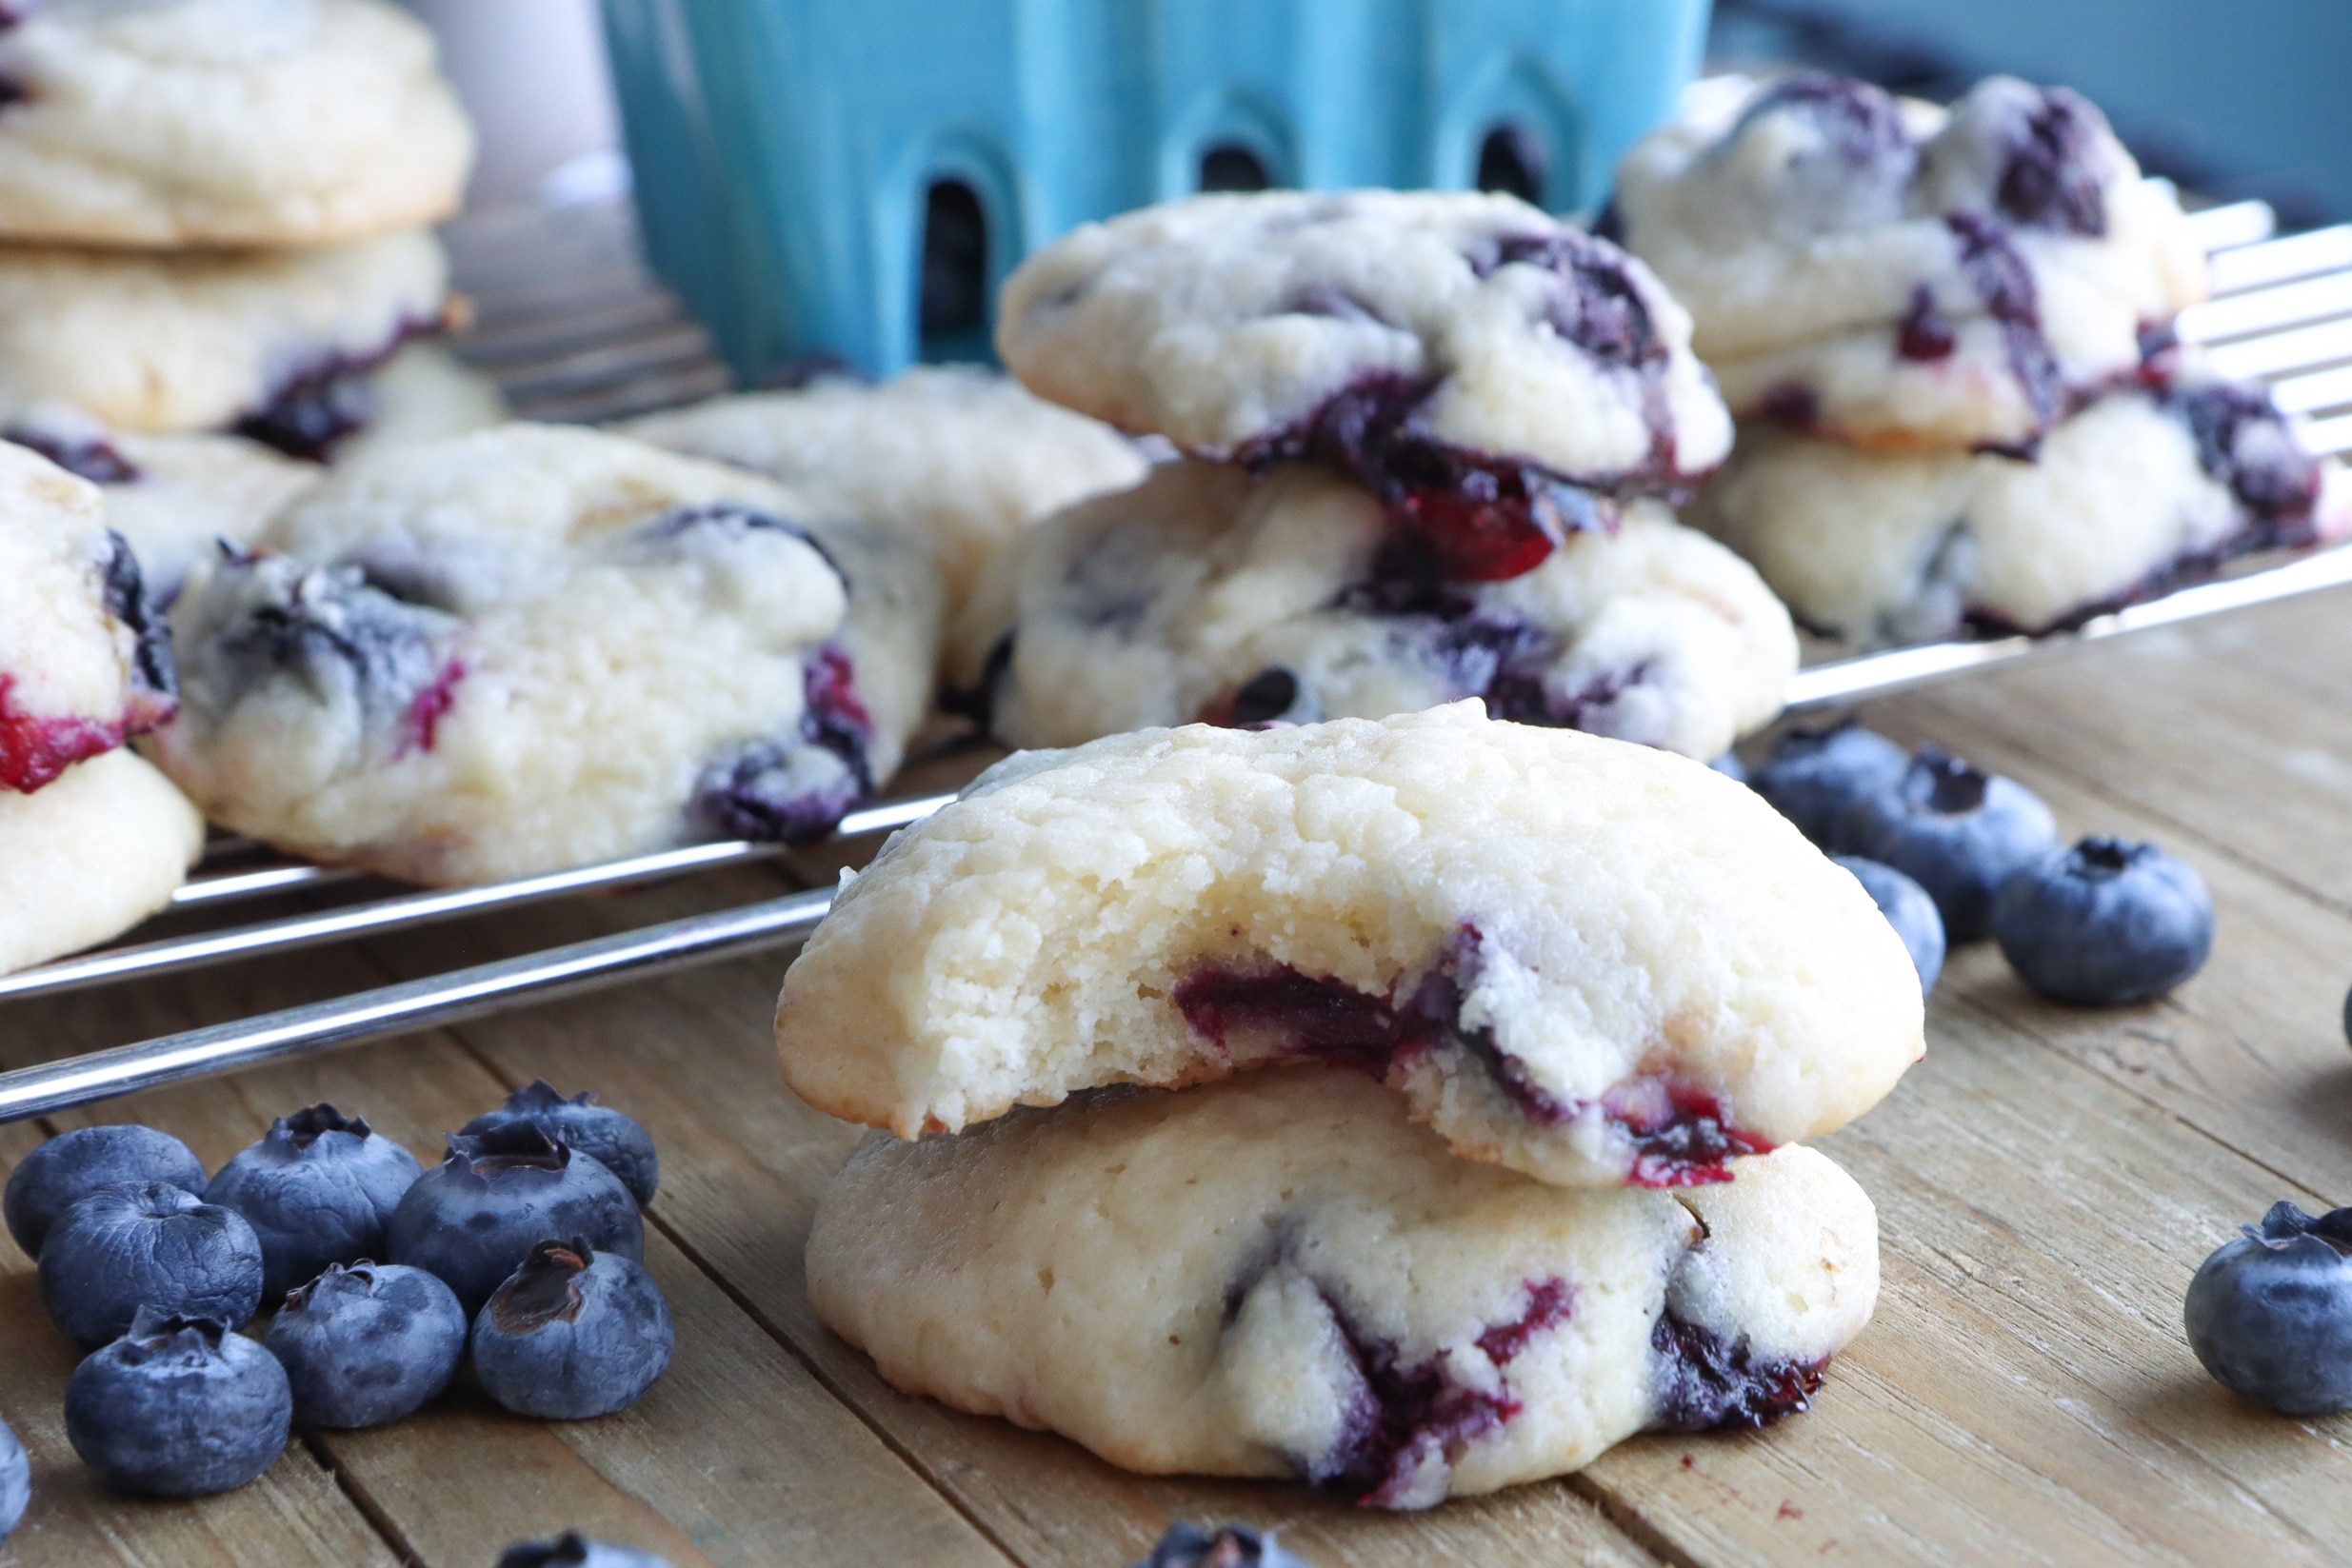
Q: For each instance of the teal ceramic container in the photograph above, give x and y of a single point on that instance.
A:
(853, 178)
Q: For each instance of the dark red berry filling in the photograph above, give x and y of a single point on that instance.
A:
(1704, 1384)
(421, 725)
(2049, 180)
(93, 457)
(35, 750)
(325, 401)
(1486, 516)
(2005, 283)
(1923, 333)
(796, 789)
(1681, 1136)
(1411, 1412)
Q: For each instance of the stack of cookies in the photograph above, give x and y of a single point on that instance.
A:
(1947, 334)
(1426, 438)
(1405, 1107)
(214, 246)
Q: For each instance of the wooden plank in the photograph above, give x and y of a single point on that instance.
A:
(2201, 742)
(2252, 1051)
(738, 1456)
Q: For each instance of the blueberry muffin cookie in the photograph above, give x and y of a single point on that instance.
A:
(1203, 595)
(1594, 963)
(1885, 272)
(534, 648)
(91, 856)
(2142, 490)
(958, 459)
(84, 660)
(264, 123)
(1494, 375)
(260, 341)
(174, 499)
(1286, 1278)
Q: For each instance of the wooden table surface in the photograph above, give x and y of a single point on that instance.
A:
(2047, 1181)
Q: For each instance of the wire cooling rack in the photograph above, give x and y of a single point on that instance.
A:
(573, 329)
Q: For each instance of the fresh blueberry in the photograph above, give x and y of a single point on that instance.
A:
(473, 1219)
(1187, 1545)
(2270, 1315)
(573, 1334)
(2105, 923)
(1814, 776)
(1957, 831)
(611, 1138)
(72, 1166)
(319, 1189)
(15, 1481)
(1908, 910)
(368, 1344)
(569, 1551)
(178, 1407)
(147, 1245)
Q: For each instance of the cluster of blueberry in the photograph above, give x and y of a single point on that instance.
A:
(1953, 854)
(523, 1246)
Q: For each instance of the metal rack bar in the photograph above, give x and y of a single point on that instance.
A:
(158, 958)
(404, 1008)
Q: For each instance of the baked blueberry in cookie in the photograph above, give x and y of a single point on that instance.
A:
(958, 459)
(85, 660)
(1332, 1296)
(1591, 962)
(1202, 594)
(1885, 271)
(2149, 488)
(223, 123)
(1499, 379)
(531, 647)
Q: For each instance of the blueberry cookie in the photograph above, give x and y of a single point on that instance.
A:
(84, 660)
(1883, 271)
(1594, 963)
(1286, 1277)
(534, 648)
(223, 123)
(173, 498)
(2141, 491)
(264, 342)
(1493, 374)
(1203, 595)
(90, 857)
(957, 459)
